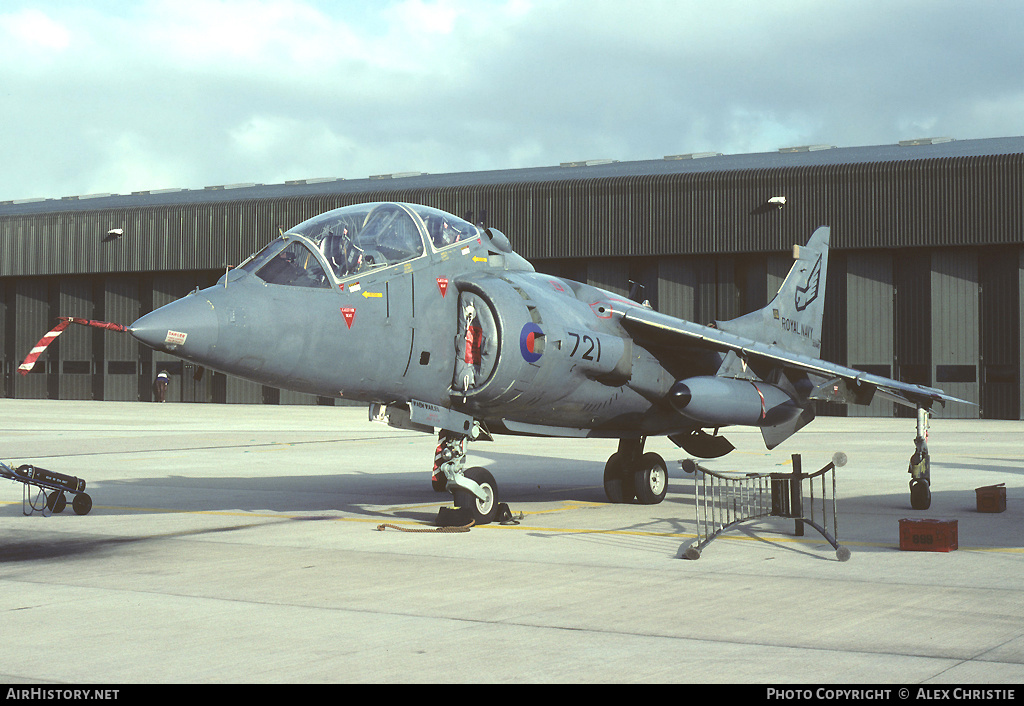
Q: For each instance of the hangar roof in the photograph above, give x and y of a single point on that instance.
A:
(796, 157)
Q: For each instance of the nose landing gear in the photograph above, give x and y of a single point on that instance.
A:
(474, 490)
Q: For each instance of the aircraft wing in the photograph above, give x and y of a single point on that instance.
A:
(834, 383)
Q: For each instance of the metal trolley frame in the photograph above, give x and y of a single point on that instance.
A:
(43, 480)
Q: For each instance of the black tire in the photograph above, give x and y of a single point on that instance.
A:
(920, 495)
(439, 482)
(618, 481)
(482, 511)
(56, 502)
(651, 479)
(81, 504)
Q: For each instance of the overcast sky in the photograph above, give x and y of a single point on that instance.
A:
(108, 96)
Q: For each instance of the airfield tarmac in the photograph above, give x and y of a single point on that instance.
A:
(240, 544)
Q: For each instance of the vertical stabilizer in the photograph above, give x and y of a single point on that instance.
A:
(792, 320)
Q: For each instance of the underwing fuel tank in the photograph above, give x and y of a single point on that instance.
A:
(721, 401)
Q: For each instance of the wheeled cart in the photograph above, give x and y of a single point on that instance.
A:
(50, 488)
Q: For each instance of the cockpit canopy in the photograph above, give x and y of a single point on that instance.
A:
(358, 239)
(368, 236)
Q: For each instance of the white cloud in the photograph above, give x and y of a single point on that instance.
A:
(192, 93)
(33, 30)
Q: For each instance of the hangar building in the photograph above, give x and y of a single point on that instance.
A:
(924, 280)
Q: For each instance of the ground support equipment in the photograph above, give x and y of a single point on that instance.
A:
(42, 480)
(724, 500)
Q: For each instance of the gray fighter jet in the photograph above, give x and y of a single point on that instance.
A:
(439, 325)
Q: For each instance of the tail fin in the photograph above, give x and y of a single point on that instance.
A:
(792, 320)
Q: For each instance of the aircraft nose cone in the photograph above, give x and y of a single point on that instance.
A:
(186, 328)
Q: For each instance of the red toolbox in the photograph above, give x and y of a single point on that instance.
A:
(991, 498)
(928, 535)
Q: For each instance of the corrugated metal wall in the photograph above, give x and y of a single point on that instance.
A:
(869, 321)
(955, 331)
(927, 203)
(7, 340)
(677, 281)
(1000, 292)
(74, 353)
(31, 320)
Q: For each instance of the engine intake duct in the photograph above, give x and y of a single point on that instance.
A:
(721, 401)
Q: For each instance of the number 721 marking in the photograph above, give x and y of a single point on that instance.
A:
(590, 345)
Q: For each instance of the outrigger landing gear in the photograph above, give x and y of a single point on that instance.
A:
(920, 466)
(631, 473)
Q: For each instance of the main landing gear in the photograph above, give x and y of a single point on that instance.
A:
(631, 473)
(920, 466)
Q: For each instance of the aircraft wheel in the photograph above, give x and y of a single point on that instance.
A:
(482, 511)
(56, 502)
(920, 495)
(651, 479)
(81, 504)
(618, 481)
(439, 483)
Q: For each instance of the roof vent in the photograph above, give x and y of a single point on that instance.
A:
(589, 163)
(397, 175)
(224, 187)
(806, 148)
(691, 155)
(85, 196)
(156, 191)
(925, 141)
(319, 180)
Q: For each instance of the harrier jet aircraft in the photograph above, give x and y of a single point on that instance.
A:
(439, 324)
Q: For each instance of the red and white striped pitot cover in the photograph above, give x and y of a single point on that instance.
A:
(45, 341)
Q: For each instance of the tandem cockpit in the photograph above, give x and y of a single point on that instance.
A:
(354, 240)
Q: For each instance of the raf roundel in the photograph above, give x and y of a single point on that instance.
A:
(529, 343)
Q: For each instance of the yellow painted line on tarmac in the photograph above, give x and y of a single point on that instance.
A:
(566, 505)
(413, 507)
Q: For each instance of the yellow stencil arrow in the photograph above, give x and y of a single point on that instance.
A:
(479, 259)
(374, 295)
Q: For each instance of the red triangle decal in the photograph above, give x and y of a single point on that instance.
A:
(350, 315)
